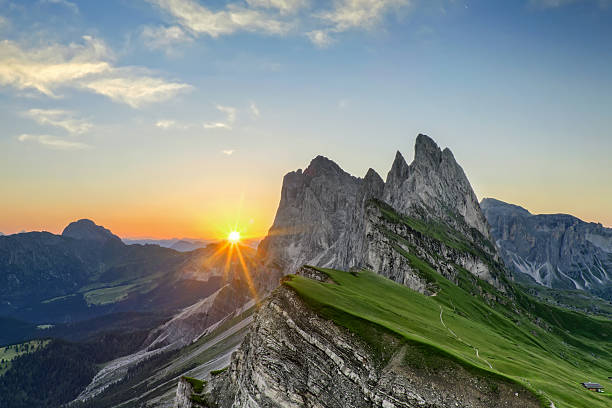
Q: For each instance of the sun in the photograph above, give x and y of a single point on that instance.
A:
(234, 237)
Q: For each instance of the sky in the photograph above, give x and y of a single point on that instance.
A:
(179, 118)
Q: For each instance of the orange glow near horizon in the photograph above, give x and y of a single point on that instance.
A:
(231, 247)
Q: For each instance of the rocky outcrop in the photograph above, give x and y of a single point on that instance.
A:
(434, 187)
(555, 250)
(184, 391)
(318, 211)
(188, 393)
(389, 240)
(294, 358)
(327, 218)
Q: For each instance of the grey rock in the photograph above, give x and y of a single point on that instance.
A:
(313, 220)
(184, 391)
(326, 217)
(555, 250)
(294, 358)
(434, 186)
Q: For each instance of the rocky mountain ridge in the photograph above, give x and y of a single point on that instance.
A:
(555, 250)
(328, 218)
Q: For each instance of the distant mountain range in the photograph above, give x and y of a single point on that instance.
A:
(554, 250)
(185, 244)
(88, 271)
(181, 245)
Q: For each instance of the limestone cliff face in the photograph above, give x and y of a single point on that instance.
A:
(434, 187)
(294, 358)
(386, 239)
(556, 250)
(319, 216)
(329, 218)
(184, 391)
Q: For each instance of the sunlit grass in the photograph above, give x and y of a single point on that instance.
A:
(550, 363)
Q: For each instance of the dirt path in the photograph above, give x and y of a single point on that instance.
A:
(459, 339)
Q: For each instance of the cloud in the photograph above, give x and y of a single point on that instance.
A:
(53, 142)
(352, 14)
(197, 19)
(254, 110)
(164, 37)
(136, 91)
(217, 125)
(86, 66)
(320, 38)
(228, 152)
(68, 4)
(229, 111)
(59, 118)
(283, 6)
(47, 68)
(165, 124)
(4, 23)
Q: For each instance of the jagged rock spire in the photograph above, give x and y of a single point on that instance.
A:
(322, 217)
(426, 151)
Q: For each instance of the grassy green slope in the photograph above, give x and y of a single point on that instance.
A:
(549, 359)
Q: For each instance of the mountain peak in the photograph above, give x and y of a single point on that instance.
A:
(322, 164)
(399, 169)
(88, 230)
(426, 150)
(492, 204)
(373, 175)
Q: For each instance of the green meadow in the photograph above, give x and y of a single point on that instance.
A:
(548, 350)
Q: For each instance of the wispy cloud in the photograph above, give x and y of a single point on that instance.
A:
(229, 111)
(275, 17)
(217, 125)
(230, 118)
(320, 38)
(89, 65)
(165, 38)
(53, 142)
(68, 4)
(352, 14)
(254, 110)
(197, 19)
(45, 69)
(165, 124)
(283, 6)
(60, 118)
(228, 152)
(136, 91)
(4, 23)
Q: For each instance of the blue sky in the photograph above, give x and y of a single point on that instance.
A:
(176, 117)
